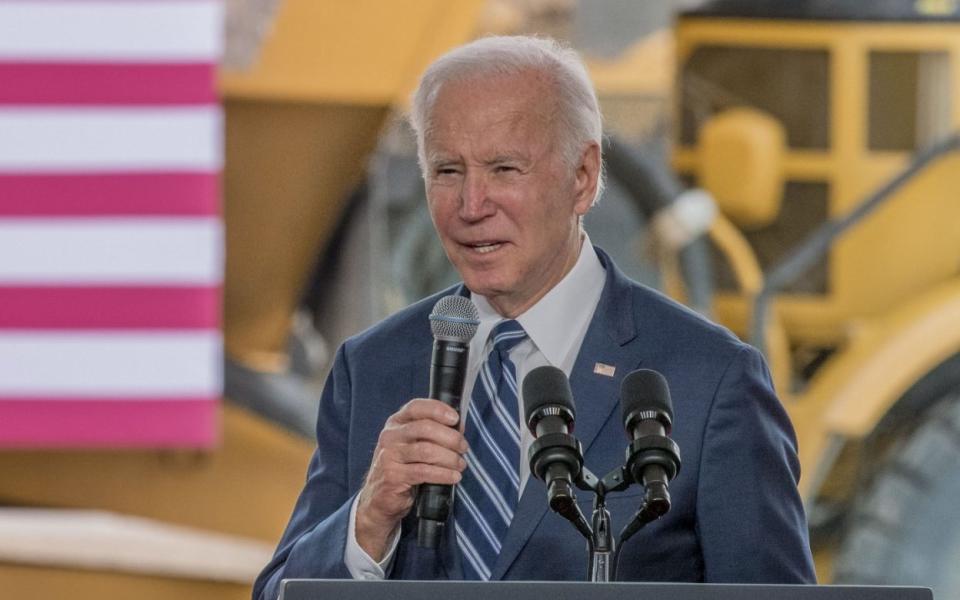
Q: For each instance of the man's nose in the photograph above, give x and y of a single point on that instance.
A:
(475, 202)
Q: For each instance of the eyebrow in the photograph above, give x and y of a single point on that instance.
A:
(438, 160)
(521, 161)
(441, 159)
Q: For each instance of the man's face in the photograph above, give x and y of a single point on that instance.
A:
(505, 203)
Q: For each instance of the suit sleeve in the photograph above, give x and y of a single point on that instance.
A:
(750, 518)
(313, 544)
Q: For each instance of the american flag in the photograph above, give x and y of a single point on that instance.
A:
(110, 235)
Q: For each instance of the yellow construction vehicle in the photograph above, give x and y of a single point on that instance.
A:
(826, 132)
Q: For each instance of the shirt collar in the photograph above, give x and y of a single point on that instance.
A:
(571, 303)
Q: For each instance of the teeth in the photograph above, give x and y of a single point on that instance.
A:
(485, 248)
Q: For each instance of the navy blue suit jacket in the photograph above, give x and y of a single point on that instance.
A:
(736, 514)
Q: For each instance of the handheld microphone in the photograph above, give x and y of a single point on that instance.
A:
(653, 459)
(555, 455)
(453, 321)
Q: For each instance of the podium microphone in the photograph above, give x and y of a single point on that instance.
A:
(453, 321)
(653, 459)
(555, 455)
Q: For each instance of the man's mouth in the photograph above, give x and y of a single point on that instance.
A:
(485, 247)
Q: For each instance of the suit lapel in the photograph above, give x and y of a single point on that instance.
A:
(611, 341)
(530, 510)
(610, 350)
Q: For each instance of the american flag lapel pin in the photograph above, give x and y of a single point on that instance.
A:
(605, 370)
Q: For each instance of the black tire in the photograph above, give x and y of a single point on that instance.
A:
(905, 529)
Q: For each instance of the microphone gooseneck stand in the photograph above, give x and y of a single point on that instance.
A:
(598, 532)
(651, 453)
(556, 458)
(604, 551)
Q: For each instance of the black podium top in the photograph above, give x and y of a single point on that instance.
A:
(321, 589)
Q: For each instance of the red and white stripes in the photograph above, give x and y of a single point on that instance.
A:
(110, 235)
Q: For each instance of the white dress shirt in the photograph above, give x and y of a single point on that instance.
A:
(555, 326)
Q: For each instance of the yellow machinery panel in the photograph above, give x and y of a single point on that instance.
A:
(300, 124)
(872, 269)
(362, 52)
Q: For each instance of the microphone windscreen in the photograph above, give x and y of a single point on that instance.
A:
(546, 386)
(454, 319)
(645, 390)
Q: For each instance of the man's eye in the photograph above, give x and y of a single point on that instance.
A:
(447, 171)
(505, 169)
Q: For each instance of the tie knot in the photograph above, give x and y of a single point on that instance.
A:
(506, 335)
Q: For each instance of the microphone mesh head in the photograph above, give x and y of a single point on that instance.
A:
(546, 386)
(454, 319)
(645, 390)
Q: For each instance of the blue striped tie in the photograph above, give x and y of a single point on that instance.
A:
(488, 493)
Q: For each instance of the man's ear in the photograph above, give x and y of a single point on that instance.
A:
(587, 177)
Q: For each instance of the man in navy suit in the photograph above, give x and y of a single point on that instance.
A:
(509, 137)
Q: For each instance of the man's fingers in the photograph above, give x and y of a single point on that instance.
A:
(433, 432)
(432, 454)
(419, 444)
(425, 408)
(423, 430)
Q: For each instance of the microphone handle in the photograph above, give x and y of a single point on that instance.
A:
(448, 369)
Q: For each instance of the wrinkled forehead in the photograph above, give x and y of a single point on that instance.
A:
(484, 104)
(528, 90)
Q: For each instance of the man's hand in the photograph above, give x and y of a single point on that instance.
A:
(418, 444)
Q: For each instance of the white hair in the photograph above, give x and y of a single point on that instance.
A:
(579, 119)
